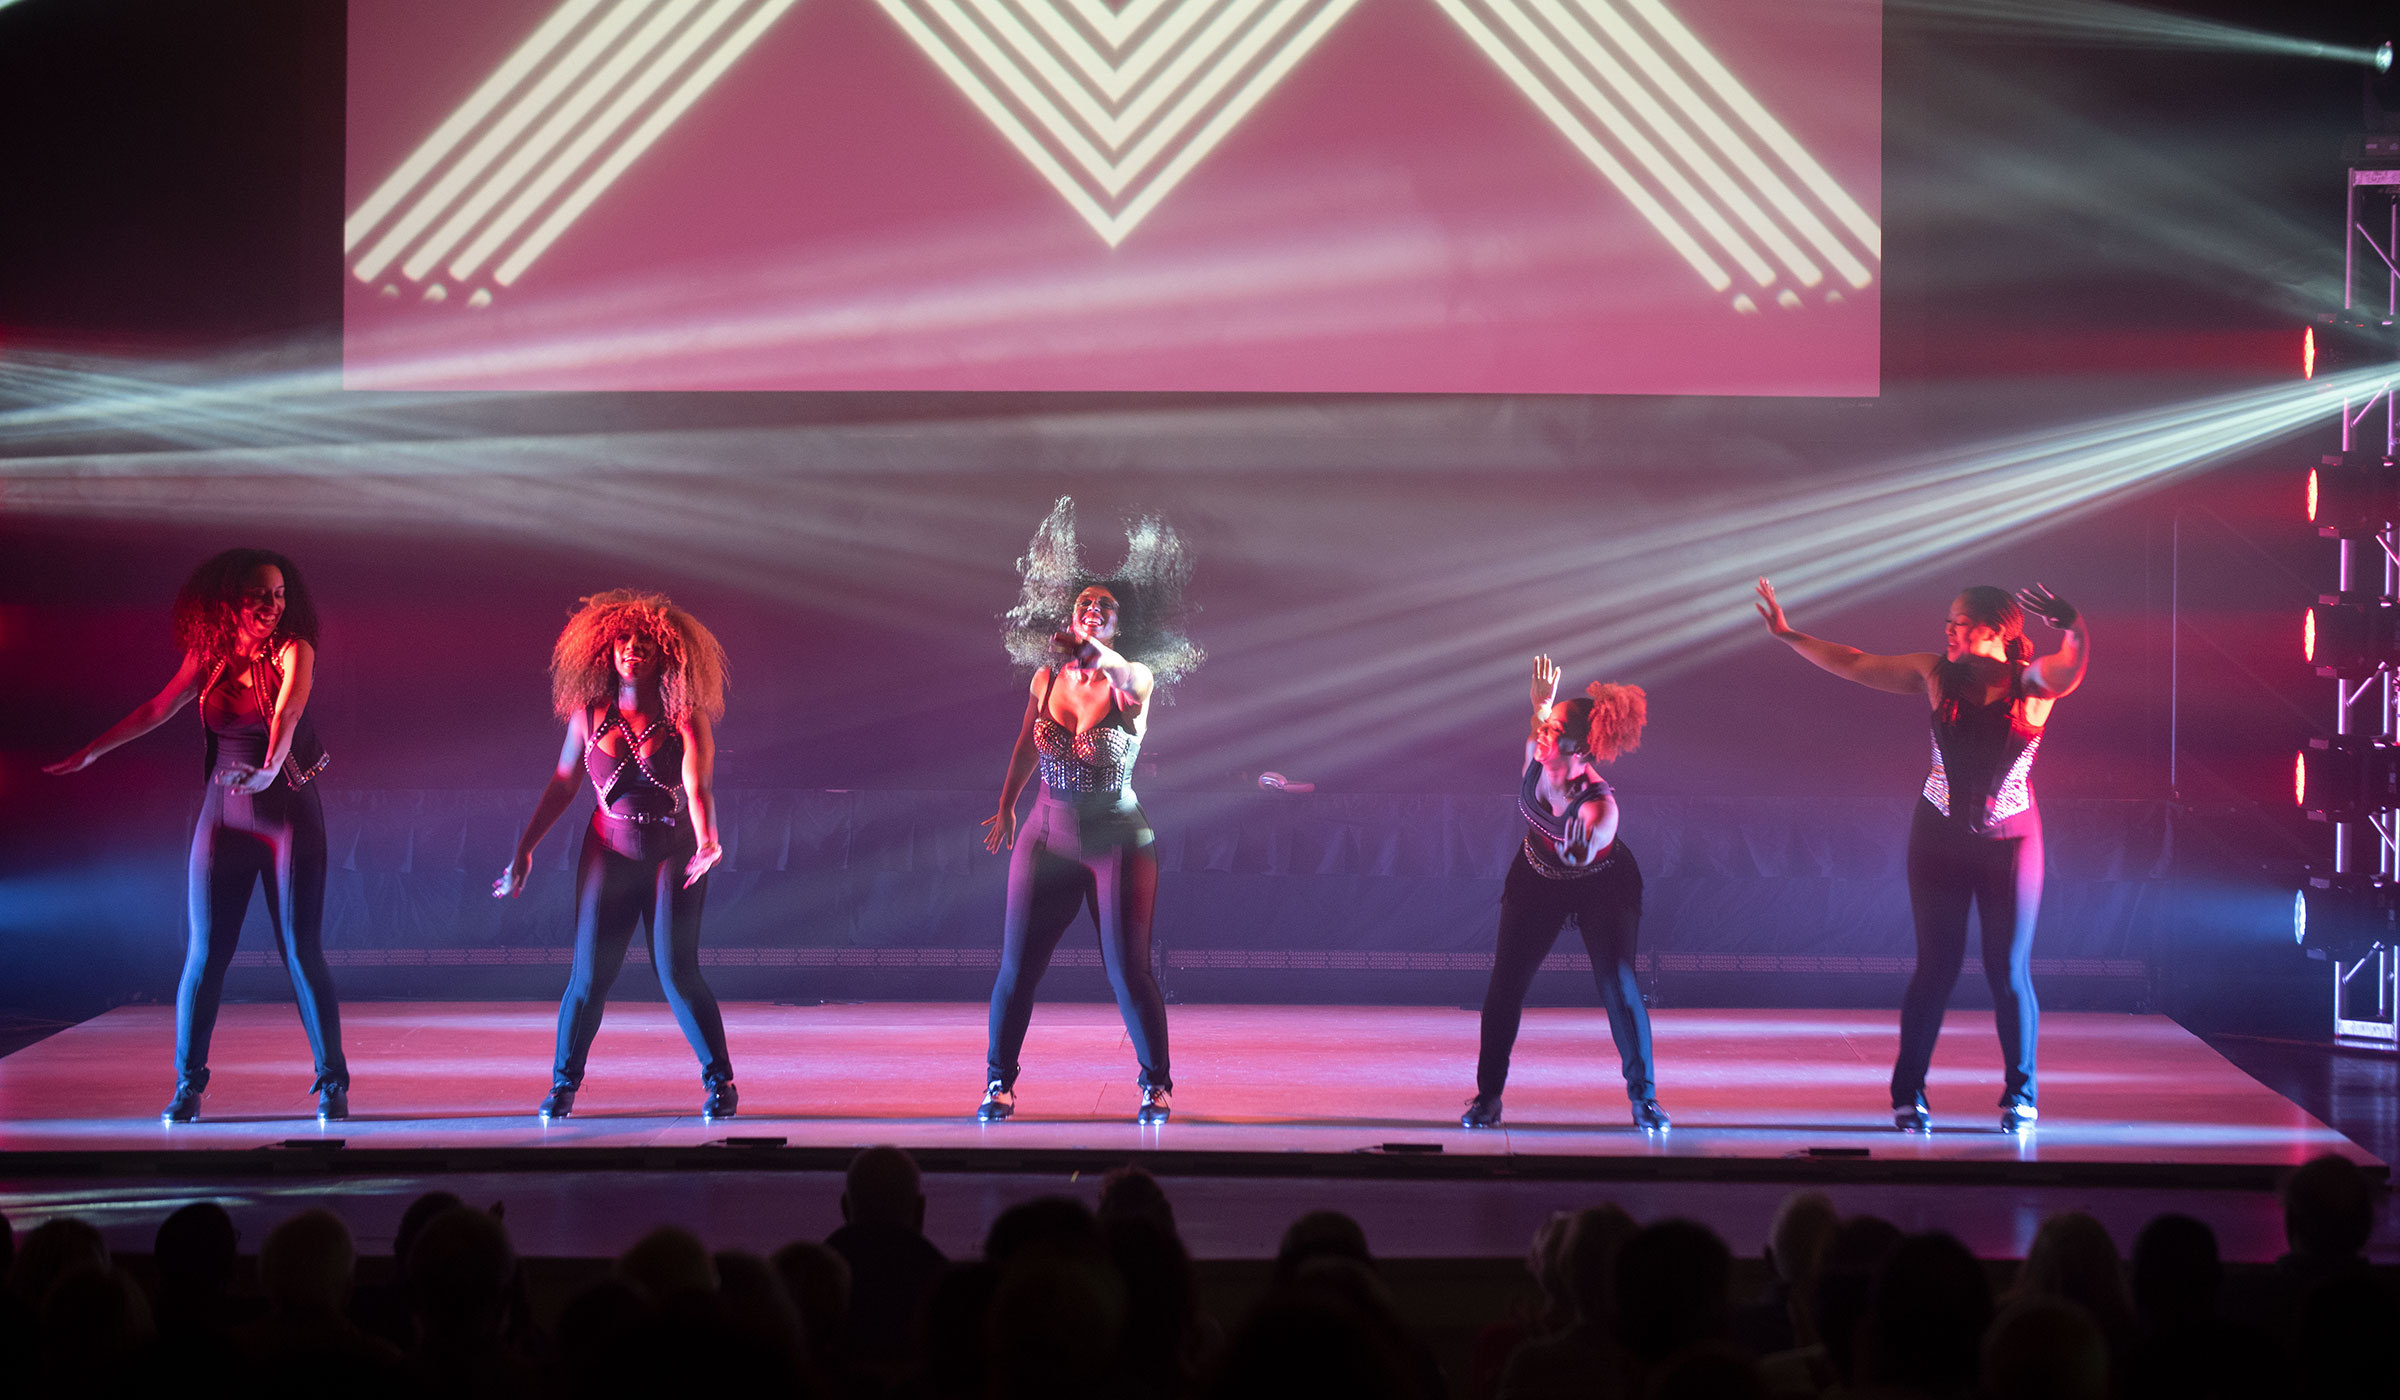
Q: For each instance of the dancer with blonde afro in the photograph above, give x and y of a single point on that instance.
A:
(641, 685)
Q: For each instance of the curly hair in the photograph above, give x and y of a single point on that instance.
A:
(691, 663)
(1610, 717)
(1148, 586)
(208, 607)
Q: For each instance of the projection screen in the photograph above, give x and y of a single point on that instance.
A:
(1376, 196)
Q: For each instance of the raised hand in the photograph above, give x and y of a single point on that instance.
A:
(1772, 611)
(702, 861)
(2049, 607)
(1545, 681)
(75, 762)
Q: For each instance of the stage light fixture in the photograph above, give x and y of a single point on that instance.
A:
(2346, 779)
(2344, 916)
(2355, 494)
(2336, 342)
(2383, 58)
(2346, 638)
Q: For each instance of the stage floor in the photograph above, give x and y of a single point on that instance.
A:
(1761, 1094)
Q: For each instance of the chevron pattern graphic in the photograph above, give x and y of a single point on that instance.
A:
(1666, 123)
(544, 137)
(1114, 107)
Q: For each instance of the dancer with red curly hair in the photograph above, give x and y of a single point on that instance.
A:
(1976, 839)
(640, 684)
(249, 635)
(1573, 863)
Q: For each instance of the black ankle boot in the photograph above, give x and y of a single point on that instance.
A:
(185, 1106)
(1483, 1111)
(560, 1103)
(722, 1101)
(1649, 1117)
(1913, 1117)
(333, 1101)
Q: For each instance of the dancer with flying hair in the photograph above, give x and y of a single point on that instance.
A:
(641, 685)
(1573, 863)
(1100, 647)
(1975, 841)
(249, 634)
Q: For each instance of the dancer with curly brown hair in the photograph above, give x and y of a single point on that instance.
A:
(1573, 863)
(249, 635)
(1101, 647)
(640, 684)
(1976, 839)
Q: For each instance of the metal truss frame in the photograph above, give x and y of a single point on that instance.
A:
(2366, 989)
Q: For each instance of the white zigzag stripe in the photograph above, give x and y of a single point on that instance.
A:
(1556, 57)
(1225, 57)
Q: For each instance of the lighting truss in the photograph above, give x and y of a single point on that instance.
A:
(2366, 980)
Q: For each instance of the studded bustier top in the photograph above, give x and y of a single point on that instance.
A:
(1074, 765)
(1982, 754)
(646, 789)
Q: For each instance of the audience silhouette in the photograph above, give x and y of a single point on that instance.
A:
(1069, 1302)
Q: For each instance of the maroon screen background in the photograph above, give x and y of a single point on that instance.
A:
(1394, 216)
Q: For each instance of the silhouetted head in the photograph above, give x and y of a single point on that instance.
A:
(306, 1263)
(195, 1247)
(884, 1187)
(2328, 1208)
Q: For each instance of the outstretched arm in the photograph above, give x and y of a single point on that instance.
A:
(1905, 674)
(561, 790)
(2062, 670)
(149, 715)
(1129, 681)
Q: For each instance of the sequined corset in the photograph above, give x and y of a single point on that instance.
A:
(1982, 760)
(1097, 760)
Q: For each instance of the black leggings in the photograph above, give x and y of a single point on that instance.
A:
(1949, 870)
(1607, 909)
(1095, 851)
(275, 838)
(613, 893)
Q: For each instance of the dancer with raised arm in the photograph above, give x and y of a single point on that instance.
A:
(1573, 863)
(1101, 648)
(249, 635)
(1976, 839)
(641, 685)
